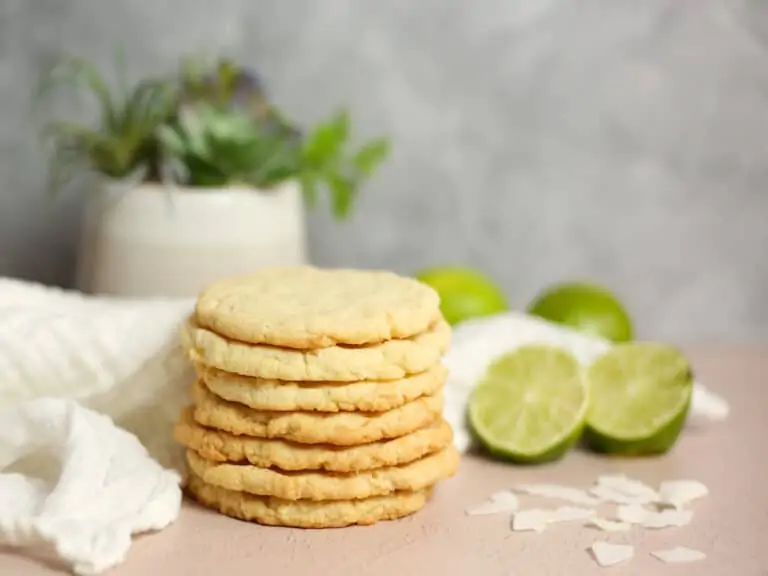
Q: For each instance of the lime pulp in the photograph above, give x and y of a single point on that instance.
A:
(640, 397)
(531, 405)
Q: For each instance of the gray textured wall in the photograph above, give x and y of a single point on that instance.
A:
(618, 140)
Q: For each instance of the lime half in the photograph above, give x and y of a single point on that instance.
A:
(531, 405)
(640, 395)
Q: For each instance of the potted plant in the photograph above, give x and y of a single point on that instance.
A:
(194, 176)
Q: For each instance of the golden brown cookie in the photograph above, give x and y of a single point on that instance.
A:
(307, 307)
(282, 396)
(313, 485)
(343, 428)
(389, 360)
(306, 513)
(217, 446)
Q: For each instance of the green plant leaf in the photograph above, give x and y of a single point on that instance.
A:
(342, 195)
(96, 150)
(170, 140)
(324, 144)
(205, 173)
(193, 128)
(341, 125)
(276, 158)
(151, 103)
(232, 125)
(370, 156)
(79, 73)
(309, 185)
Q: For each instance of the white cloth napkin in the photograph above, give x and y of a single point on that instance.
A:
(70, 368)
(476, 343)
(95, 488)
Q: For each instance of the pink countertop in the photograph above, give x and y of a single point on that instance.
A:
(730, 526)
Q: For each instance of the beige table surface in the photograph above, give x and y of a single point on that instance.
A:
(730, 526)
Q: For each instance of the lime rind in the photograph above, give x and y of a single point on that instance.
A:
(641, 396)
(531, 405)
(659, 443)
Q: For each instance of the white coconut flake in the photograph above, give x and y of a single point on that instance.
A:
(572, 513)
(533, 520)
(606, 494)
(678, 493)
(667, 518)
(620, 489)
(607, 554)
(679, 555)
(536, 519)
(559, 492)
(707, 405)
(632, 513)
(500, 502)
(608, 525)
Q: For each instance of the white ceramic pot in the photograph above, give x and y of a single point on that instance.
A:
(147, 240)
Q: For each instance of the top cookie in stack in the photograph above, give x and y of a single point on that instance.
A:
(319, 397)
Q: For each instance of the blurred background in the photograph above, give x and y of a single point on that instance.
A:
(620, 141)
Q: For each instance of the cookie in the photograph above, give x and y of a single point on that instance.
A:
(306, 513)
(314, 485)
(218, 446)
(308, 307)
(282, 396)
(389, 360)
(343, 428)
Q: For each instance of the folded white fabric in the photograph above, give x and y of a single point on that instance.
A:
(118, 357)
(69, 477)
(75, 482)
(476, 343)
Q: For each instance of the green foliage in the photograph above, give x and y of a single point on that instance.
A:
(123, 140)
(221, 147)
(326, 160)
(208, 127)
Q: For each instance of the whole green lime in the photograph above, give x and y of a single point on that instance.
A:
(585, 307)
(464, 292)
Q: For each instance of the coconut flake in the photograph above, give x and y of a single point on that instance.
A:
(571, 514)
(606, 494)
(534, 520)
(667, 518)
(607, 554)
(678, 493)
(637, 514)
(620, 489)
(707, 405)
(559, 492)
(632, 513)
(679, 555)
(498, 503)
(608, 525)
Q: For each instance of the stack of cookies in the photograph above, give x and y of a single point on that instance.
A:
(318, 400)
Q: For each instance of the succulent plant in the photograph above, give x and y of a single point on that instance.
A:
(212, 147)
(207, 127)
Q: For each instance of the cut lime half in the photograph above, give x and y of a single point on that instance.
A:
(531, 404)
(640, 395)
